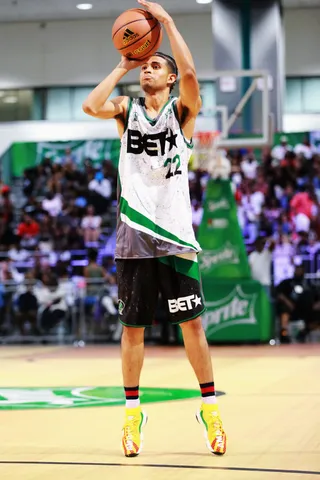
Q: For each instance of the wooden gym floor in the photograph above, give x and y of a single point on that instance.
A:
(271, 412)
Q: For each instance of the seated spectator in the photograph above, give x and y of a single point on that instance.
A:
(26, 305)
(101, 185)
(249, 166)
(90, 225)
(279, 151)
(296, 300)
(51, 299)
(52, 204)
(252, 202)
(304, 149)
(28, 231)
(260, 262)
(304, 207)
(283, 255)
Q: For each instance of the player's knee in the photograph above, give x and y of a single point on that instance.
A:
(133, 335)
(194, 325)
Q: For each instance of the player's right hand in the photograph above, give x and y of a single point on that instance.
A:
(128, 64)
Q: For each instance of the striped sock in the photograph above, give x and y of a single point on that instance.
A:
(132, 397)
(208, 393)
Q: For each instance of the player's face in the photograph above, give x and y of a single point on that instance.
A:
(155, 75)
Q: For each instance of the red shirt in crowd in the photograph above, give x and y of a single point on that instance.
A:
(302, 203)
(28, 229)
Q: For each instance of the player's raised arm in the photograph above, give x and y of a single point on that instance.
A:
(97, 103)
(189, 86)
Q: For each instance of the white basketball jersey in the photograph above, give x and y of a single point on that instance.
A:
(154, 211)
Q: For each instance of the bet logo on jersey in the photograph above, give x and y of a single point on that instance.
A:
(153, 144)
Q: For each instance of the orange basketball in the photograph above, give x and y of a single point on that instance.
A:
(136, 34)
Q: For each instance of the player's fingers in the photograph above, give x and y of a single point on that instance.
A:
(144, 3)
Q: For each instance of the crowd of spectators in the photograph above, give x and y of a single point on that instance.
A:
(56, 238)
(277, 194)
(66, 219)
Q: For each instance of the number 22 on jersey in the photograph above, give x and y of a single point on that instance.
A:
(174, 166)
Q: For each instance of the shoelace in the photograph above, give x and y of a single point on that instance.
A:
(128, 432)
(216, 423)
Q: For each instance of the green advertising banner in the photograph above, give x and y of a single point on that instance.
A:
(238, 308)
(224, 254)
(237, 311)
(293, 138)
(28, 154)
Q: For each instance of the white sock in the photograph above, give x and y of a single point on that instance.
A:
(210, 400)
(133, 403)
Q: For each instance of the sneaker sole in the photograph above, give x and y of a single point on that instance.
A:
(144, 422)
(199, 419)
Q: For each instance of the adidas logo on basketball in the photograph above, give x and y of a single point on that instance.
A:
(128, 36)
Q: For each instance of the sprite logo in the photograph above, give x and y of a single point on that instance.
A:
(235, 309)
(77, 397)
(209, 259)
(222, 204)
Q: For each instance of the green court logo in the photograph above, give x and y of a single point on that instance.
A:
(60, 397)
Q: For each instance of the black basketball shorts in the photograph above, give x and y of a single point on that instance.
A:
(140, 280)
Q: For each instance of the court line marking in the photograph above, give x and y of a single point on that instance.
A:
(155, 465)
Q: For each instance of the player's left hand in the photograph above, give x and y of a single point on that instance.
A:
(156, 10)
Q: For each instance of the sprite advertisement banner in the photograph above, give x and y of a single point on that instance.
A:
(224, 254)
(28, 154)
(238, 309)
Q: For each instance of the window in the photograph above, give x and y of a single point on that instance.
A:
(65, 104)
(16, 105)
(293, 96)
(58, 104)
(311, 95)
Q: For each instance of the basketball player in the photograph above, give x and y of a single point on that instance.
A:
(156, 247)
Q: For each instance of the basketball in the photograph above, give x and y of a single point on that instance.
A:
(136, 34)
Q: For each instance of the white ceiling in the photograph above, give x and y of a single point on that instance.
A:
(46, 10)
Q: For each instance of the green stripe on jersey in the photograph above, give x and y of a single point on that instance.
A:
(182, 265)
(129, 107)
(144, 221)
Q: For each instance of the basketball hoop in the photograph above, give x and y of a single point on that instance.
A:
(206, 145)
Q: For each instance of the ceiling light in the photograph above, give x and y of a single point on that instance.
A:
(84, 6)
(10, 99)
(202, 2)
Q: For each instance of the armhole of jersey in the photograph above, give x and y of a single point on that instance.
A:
(189, 143)
(128, 114)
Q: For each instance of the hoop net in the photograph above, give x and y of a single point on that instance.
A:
(206, 150)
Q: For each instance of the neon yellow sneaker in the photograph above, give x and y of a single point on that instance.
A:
(215, 436)
(132, 438)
